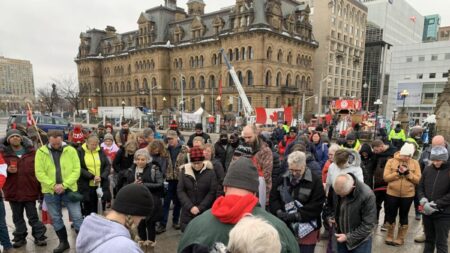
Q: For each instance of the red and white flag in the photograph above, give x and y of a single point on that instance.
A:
(30, 119)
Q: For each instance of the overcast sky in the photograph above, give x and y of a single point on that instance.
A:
(46, 32)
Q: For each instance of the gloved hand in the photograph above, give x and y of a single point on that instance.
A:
(429, 208)
(99, 191)
(423, 201)
(288, 217)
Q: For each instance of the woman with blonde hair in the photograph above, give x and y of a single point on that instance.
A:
(123, 161)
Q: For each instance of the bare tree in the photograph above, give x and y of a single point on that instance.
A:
(49, 97)
(70, 91)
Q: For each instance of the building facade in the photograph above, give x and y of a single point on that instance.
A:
(431, 27)
(174, 57)
(340, 27)
(422, 70)
(16, 83)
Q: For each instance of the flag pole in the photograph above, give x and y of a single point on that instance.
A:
(34, 123)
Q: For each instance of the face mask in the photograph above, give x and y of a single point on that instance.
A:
(235, 144)
(224, 142)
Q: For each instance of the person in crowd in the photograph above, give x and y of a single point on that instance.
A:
(100, 132)
(4, 235)
(383, 152)
(278, 132)
(159, 155)
(240, 185)
(321, 148)
(109, 147)
(34, 136)
(174, 126)
(208, 153)
(288, 139)
(140, 139)
(198, 142)
(302, 138)
(402, 173)
(424, 161)
(311, 162)
(229, 151)
(263, 161)
(94, 176)
(297, 198)
(57, 168)
(178, 155)
(220, 148)
(116, 232)
(415, 138)
(198, 132)
(397, 136)
(109, 129)
(331, 151)
(197, 186)
(286, 127)
(368, 163)
(434, 194)
(149, 135)
(353, 198)
(123, 161)
(76, 136)
(22, 189)
(352, 142)
(277, 169)
(124, 134)
(345, 161)
(244, 238)
(146, 172)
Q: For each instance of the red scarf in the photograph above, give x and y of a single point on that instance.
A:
(231, 208)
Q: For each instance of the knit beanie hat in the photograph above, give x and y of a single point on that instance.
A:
(134, 199)
(108, 136)
(197, 154)
(198, 126)
(242, 150)
(439, 153)
(242, 174)
(77, 134)
(13, 132)
(407, 149)
(108, 125)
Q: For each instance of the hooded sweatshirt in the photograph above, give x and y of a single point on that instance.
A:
(99, 235)
(350, 167)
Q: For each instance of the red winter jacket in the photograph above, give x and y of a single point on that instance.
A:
(23, 185)
(284, 143)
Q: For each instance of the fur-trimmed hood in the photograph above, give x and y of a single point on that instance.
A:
(188, 170)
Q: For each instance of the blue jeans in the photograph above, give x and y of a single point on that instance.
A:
(4, 236)
(54, 209)
(171, 196)
(365, 247)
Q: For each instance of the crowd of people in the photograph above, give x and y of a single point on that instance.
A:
(119, 187)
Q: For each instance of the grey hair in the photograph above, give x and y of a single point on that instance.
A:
(245, 238)
(297, 157)
(343, 183)
(334, 147)
(142, 152)
(148, 132)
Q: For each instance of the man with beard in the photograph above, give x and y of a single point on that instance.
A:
(220, 148)
(124, 134)
(229, 151)
(100, 132)
(263, 161)
(198, 132)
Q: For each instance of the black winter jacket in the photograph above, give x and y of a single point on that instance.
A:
(309, 192)
(367, 164)
(277, 170)
(220, 153)
(220, 175)
(121, 164)
(229, 152)
(381, 160)
(435, 186)
(355, 214)
(196, 190)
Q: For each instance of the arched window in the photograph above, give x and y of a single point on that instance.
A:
(249, 78)
(122, 86)
(175, 64)
(201, 61)
(250, 53)
(230, 54)
(196, 62)
(230, 80)
(136, 85)
(240, 77)
(243, 54)
(202, 82)
(212, 81)
(129, 86)
(180, 63)
(214, 60)
(174, 83)
(308, 83)
(297, 81)
(191, 62)
(236, 53)
(268, 81)
(289, 58)
(269, 54)
(280, 56)
(288, 80)
(278, 81)
(192, 83)
(154, 83)
(145, 84)
(303, 83)
(116, 87)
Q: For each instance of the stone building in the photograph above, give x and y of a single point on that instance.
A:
(443, 111)
(16, 83)
(269, 42)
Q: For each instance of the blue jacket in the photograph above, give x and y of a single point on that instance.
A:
(321, 153)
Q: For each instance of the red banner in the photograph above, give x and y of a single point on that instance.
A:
(348, 104)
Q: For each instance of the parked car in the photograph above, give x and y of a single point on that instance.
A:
(44, 122)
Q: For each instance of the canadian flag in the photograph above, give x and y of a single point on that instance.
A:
(273, 115)
(30, 119)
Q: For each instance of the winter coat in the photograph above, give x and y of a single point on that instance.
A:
(321, 153)
(401, 185)
(98, 235)
(152, 178)
(162, 162)
(86, 176)
(121, 137)
(353, 168)
(220, 152)
(435, 186)
(46, 171)
(177, 157)
(220, 175)
(381, 160)
(313, 165)
(355, 214)
(367, 164)
(308, 191)
(196, 189)
(278, 134)
(277, 170)
(121, 164)
(263, 161)
(22, 185)
(424, 160)
(229, 152)
(205, 137)
(282, 145)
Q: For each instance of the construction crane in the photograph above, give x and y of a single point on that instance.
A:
(248, 109)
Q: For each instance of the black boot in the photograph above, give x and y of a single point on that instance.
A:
(63, 243)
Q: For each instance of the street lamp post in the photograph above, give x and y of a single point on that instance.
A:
(394, 112)
(367, 86)
(377, 103)
(404, 94)
(123, 109)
